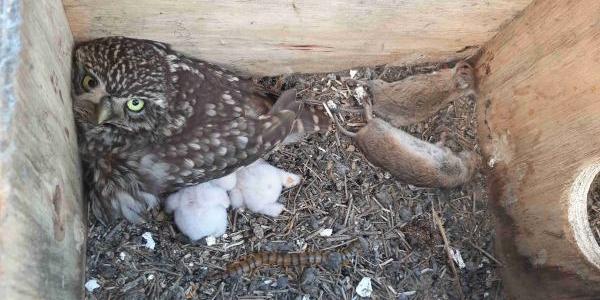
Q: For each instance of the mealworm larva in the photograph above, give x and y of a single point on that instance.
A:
(253, 261)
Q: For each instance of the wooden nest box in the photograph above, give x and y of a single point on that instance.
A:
(538, 112)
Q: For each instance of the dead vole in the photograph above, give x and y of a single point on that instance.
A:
(410, 159)
(418, 97)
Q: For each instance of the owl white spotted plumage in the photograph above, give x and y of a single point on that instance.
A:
(152, 120)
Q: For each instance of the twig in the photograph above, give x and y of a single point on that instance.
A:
(486, 254)
(219, 291)
(350, 200)
(348, 211)
(339, 245)
(438, 222)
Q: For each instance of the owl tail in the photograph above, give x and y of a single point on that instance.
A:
(289, 121)
(308, 118)
(278, 123)
(287, 101)
(312, 119)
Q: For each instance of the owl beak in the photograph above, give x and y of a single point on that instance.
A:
(104, 111)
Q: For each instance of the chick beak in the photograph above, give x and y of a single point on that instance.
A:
(103, 111)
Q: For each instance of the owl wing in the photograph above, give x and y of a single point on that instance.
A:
(214, 127)
(310, 120)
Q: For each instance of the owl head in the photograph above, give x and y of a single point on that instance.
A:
(120, 83)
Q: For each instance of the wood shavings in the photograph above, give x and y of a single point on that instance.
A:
(326, 232)
(337, 192)
(364, 287)
(210, 240)
(91, 285)
(150, 243)
(458, 258)
(361, 94)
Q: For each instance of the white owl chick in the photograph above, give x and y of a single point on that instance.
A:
(259, 186)
(201, 210)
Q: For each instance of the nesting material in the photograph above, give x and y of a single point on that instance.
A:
(210, 240)
(327, 232)
(339, 190)
(457, 257)
(91, 285)
(259, 186)
(149, 241)
(364, 287)
(416, 98)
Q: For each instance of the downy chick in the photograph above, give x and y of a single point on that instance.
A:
(201, 210)
(259, 186)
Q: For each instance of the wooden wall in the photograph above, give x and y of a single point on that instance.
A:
(275, 36)
(539, 110)
(42, 227)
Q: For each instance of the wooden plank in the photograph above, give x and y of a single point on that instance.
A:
(538, 117)
(274, 37)
(42, 227)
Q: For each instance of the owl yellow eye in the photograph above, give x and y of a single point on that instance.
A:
(89, 83)
(135, 105)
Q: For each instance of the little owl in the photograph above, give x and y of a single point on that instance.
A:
(152, 120)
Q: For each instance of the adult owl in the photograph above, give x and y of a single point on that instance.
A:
(151, 120)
